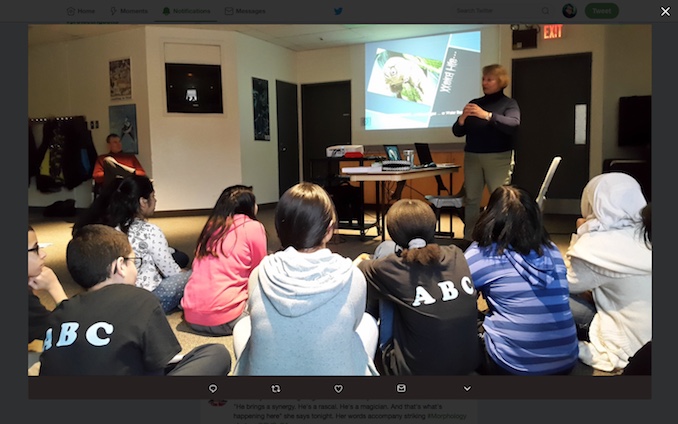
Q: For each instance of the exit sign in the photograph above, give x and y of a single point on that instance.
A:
(552, 31)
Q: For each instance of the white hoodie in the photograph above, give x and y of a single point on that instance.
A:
(608, 256)
(304, 309)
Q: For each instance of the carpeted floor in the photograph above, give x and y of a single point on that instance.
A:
(183, 230)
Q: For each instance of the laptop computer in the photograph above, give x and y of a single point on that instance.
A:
(425, 159)
(424, 153)
(392, 152)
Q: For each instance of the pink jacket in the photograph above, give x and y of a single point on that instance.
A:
(216, 292)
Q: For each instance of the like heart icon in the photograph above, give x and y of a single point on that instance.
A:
(338, 388)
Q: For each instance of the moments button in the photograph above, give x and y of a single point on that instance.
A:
(602, 10)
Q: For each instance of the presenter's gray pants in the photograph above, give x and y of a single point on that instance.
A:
(480, 169)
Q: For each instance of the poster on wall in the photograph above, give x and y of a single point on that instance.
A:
(120, 76)
(123, 121)
(262, 129)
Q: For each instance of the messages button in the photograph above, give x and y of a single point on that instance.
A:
(602, 10)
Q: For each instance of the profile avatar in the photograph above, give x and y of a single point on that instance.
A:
(569, 10)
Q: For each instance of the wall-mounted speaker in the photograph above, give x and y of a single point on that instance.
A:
(525, 38)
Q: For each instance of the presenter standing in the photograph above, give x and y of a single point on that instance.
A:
(489, 124)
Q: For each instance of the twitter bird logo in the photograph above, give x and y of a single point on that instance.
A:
(338, 10)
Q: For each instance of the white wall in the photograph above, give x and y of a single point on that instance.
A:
(193, 157)
(259, 159)
(67, 79)
(628, 72)
(196, 156)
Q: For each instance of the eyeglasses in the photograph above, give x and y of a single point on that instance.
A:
(38, 247)
(137, 261)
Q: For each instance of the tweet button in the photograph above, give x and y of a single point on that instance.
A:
(601, 10)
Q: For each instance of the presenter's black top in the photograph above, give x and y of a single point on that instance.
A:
(495, 135)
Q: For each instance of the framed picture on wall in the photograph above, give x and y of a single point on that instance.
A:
(262, 130)
(193, 88)
(120, 77)
(123, 121)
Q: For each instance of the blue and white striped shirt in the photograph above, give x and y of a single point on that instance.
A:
(530, 329)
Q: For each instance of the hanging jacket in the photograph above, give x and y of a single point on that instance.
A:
(66, 156)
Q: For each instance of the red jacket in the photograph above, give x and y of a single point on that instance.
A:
(127, 159)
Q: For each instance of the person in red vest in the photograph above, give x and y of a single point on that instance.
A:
(115, 163)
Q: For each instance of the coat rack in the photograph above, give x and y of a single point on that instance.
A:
(57, 118)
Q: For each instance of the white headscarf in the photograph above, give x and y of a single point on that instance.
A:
(611, 201)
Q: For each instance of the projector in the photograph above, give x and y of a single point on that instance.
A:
(340, 151)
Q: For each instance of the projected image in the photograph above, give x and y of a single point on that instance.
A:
(421, 82)
(405, 76)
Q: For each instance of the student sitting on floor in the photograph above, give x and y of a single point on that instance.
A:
(127, 205)
(115, 328)
(307, 304)
(41, 278)
(529, 329)
(427, 305)
(231, 244)
(610, 272)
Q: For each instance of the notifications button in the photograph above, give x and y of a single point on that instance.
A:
(602, 10)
